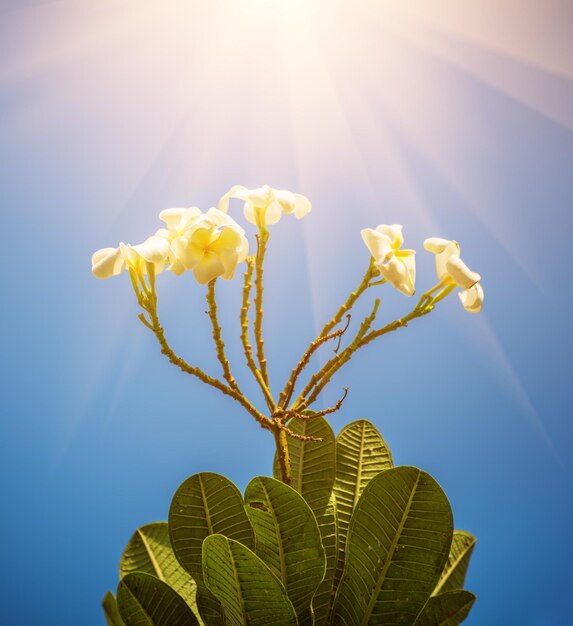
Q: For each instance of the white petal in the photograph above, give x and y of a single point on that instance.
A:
(285, 199)
(461, 273)
(191, 250)
(107, 262)
(272, 214)
(302, 206)
(130, 256)
(249, 212)
(394, 234)
(408, 258)
(210, 267)
(260, 197)
(237, 191)
(163, 232)
(216, 217)
(472, 298)
(177, 267)
(452, 249)
(230, 262)
(154, 249)
(378, 244)
(399, 274)
(436, 244)
(243, 250)
(173, 217)
(292, 203)
(226, 239)
(181, 254)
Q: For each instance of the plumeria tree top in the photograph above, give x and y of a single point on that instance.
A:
(212, 245)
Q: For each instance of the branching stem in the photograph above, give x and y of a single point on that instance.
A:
(150, 305)
(217, 337)
(352, 298)
(287, 392)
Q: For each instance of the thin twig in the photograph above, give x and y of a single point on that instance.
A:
(310, 415)
(363, 338)
(294, 435)
(321, 378)
(287, 392)
(362, 287)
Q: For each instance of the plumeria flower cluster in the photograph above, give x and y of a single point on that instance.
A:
(453, 272)
(398, 266)
(209, 244)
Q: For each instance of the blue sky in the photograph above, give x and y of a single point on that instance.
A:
(455, 122)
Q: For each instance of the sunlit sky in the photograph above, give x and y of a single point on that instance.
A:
(454, 119)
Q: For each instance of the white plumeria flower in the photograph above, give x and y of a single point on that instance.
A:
(109, 262)
(210, 244)
(472, 298)
(265, 205)
(397, 266)
(452, 270)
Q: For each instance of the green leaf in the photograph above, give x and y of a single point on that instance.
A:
(313, 472)
(454, 574)
(111, 612)
(144, 600)
(322, 601)
(149, 551)
(210, 609)
(287, 538)
(203, 505)
(206, 504)
(446, 609)
(246, 587)
(398, 542)
(361, 454)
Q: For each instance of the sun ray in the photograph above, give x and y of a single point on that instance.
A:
(509, 380)
(349, 101)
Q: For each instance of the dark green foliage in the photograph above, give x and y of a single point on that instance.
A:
(246, 587)
(287, 538)
(144, 600)
(398, 542)
(353, 542)
(110, 610)
(313, 474)
(454, 574)
(149, 551)
(446, 609)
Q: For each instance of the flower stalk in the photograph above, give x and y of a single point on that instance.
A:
(262, 239)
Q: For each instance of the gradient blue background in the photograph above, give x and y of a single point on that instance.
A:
(110, 113)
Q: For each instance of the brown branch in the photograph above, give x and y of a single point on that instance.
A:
(217, 337)
(151, 308)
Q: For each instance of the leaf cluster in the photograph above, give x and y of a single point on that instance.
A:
(353, 541)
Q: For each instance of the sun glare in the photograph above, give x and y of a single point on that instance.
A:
(341, 90)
